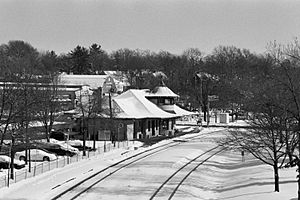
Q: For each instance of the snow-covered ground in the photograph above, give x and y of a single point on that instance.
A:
(224, 177)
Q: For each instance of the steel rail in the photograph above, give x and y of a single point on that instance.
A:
(179, 170)
(152, 152)
(110, 167)
(191, 171)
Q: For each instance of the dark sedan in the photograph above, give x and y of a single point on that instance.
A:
(56, 148)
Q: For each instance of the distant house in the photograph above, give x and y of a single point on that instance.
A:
(120, 79)
(79, 88)
(92, 81)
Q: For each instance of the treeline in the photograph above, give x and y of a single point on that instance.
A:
(267, 85)
(230, 67)
(231, 73)
(270, 90)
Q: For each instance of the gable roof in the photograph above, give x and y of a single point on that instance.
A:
(162, 91)
(183, 112)
(133, 104)
(93, 81)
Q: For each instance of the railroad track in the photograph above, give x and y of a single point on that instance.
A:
(86, 184)
(176, 179)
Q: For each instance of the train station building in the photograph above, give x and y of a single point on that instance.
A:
(139, 114)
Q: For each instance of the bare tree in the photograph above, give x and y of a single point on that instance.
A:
(265, 139)
(287, 60)
(6, 94)
(88, 106)
(48, 106)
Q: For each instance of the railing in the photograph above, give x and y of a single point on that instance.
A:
(40, 168)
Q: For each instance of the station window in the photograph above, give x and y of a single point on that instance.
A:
(149, 124)
(161, 101)
(167, 101)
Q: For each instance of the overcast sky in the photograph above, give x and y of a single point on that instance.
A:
(171, 25)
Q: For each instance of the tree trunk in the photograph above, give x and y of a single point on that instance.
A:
(298, 164)
(47, 132)
(12, 155)
(50, 125)
(3, 135)
(2, 139)
(204, 113)
(298, 161)
(276, 177)
(83, 134)
(94, 134)
(288, 148)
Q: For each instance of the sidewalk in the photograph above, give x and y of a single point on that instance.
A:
(39, 168)
(43, 185)
(212, 123)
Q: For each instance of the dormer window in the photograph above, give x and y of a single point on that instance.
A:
(161, 101)
(169, 101)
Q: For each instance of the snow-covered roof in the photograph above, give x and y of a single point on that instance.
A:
(69, 89)
(159, 74)
(162, 91)
(93, 81)
(182, 112)
(119, 77)
(110, 72)
(133, 104)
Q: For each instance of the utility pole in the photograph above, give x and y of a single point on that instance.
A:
(83, 132)
(97, 108)
(298, 159)
(208, 118)
(27, 146)
(12, 155)
(82, 123)
(110, 107)
(200, 92)
(94, 134)
(111, 117)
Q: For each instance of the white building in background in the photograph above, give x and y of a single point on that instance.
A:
(95, 82)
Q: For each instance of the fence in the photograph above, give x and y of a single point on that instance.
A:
(43, 167)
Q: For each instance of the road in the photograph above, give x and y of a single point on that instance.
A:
(157, 175)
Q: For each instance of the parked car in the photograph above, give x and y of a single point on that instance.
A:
(78, 144)
(5, 149)
(59, 135)
(36, 155)
(57, 148)
(5, 162)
